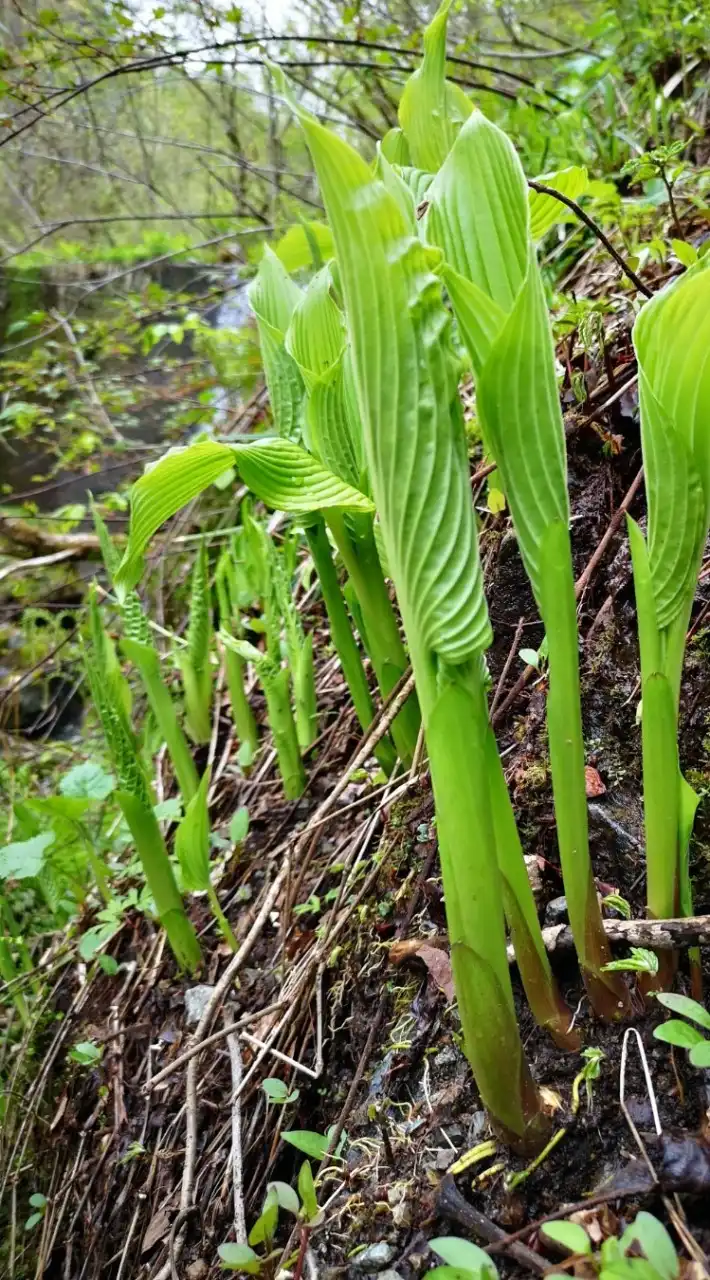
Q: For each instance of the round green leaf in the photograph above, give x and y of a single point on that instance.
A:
(568, 1234)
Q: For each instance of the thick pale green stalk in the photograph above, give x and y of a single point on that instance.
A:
(304, 693)
(169, 907)
(147, 662)
(276, 687)
(541, 988)
(356, 543)
(405, 376)
(564, 719)
(342, 636)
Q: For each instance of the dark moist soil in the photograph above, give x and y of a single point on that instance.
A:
(415, 1109)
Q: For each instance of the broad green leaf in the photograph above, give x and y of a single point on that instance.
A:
(87, 780)
(686, 253)
(276, 1090)
(655, 1242)
(479, 216)
(287, 478)
(239, 1257)
(311, 1144)
(406, 378)
(686, 1007)
(700, 1054)
(307, 1192)
(295, 248)
(464, 1255)
(672, 341)
(545, 211)
(278, 471)
(273, 295)
(431, 109)
(24, 859)
(265, 1225)
(178, 477)
(678, 1033)
(239, 826)
(568, 1234)
(286, 1197)
(192, 840)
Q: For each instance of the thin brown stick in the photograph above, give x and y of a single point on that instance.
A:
(508, 664)
(603, 239)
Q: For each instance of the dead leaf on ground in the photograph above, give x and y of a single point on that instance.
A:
(432, 955)
(157, 1230)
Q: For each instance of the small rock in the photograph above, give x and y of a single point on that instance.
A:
(197, 1270)
(477, 1126)
(390, 1274)
(444, 1157)
(532, 866)
(556, 911)
(447, 1057)
(374, 1257)
(196, 1001)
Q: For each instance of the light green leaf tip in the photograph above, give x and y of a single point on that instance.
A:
(479, 215)
(431, 109)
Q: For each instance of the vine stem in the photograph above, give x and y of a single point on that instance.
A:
(589, 222)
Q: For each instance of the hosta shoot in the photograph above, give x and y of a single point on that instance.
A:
(672, 341)
(478, 216)
(405, 377)
(135, 799)
(194, 661)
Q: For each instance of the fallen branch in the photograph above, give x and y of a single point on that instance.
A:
(658, 935)
(25, 534)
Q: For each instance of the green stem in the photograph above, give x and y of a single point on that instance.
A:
(548, 1007)
(342, 636)
(242, 714)
(304, 693)
(283, 727)
(158, 872)
(381, 637)
(457, 731)
(147, 663)
(9, 972)
(197, 686)
(607, 991)
(221, 919)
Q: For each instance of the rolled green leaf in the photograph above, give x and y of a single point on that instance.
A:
(278, 471)
(276, 684)
(405, 376)
(671, 337)
(273, 296)
(431, 109)
(479, 217)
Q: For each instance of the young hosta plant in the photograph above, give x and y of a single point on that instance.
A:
(478, 216)
(136, 802)
(192, 846)
(194, 661)
(672, 339)
(405, 377)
